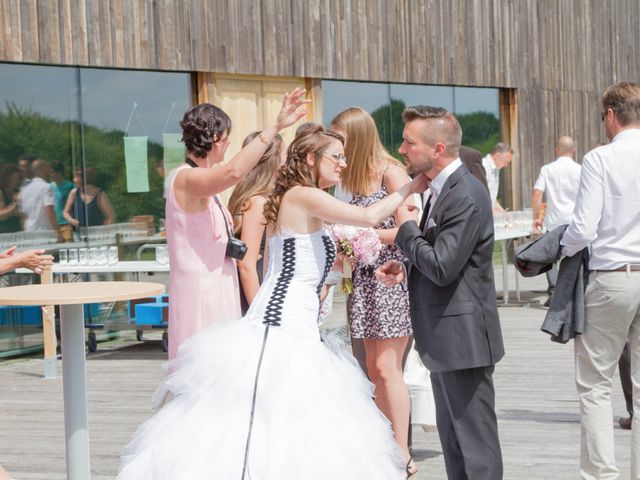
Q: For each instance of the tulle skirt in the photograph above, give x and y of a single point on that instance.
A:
(313, 414)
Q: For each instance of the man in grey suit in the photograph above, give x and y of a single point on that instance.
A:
(452, 294)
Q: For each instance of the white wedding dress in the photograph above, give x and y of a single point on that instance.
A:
(263, 398)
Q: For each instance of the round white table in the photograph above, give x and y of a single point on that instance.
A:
(71, 297)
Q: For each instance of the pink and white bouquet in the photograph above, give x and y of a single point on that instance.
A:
(355, 245)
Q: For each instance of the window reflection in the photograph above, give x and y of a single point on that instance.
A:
(477, 109)
(66, 182)
(51, 135)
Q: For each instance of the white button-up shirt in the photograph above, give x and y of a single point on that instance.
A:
(607, 212)
(559, 180)
(493, 178)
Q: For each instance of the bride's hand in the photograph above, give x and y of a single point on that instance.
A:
(292, 108)
(420, 183)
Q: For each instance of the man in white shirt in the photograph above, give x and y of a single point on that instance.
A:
(37, 201)
(558, 182)
(499, 157)
(607, 220)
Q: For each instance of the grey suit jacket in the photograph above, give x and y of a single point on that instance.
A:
(451, 287)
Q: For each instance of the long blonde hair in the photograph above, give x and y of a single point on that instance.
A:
(296, 170)
(259, 180)
(367, 157)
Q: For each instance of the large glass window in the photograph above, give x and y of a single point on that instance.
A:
(477, 109)
(102, 138)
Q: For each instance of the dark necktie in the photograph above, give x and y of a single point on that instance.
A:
(425, 213)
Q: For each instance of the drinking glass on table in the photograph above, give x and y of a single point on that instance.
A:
(73, 256)
(103, 255)
(63, 258)
(162, 255)
(83, 256)
(112, 255)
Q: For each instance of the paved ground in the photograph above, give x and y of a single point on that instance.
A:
(536, 403)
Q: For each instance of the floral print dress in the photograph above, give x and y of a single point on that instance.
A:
(376, 311)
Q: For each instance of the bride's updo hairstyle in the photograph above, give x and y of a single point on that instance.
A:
(202, 126)
(296, 170)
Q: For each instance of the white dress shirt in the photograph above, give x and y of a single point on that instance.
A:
(493, 178)
(607, 212)
(33, 199)
(559, 180)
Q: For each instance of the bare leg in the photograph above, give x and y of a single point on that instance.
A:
(384, 364)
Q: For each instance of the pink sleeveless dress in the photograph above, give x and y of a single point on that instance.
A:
(203, 282)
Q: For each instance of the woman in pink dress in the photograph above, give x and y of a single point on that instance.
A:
(203, 281)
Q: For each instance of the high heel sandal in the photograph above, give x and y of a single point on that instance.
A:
(408, 469)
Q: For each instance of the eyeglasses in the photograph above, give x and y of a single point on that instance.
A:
(602, 115)
(340, 158)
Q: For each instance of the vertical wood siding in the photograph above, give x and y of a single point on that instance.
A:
(558, 55)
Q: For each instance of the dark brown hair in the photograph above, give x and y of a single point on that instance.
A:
(296, 170)
(202, 126)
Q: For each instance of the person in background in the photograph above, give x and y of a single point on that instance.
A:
(61, 189)
(37, 203)
(246, 204)
(472, 159)
(499, 157)
(606, 219)
(558, 182)
(203, 282)
(87, 204)
(34, 260)
(378, 315)
(24, 163)
(10, 177)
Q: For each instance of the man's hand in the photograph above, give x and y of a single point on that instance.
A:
(405, 213)
(537, 225)
(420, 183)
(391, 273)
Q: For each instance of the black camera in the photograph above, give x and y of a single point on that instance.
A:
(236, 248)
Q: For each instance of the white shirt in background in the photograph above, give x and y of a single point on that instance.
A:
(493, 178)
(33, 199)
(607, 212)
(559, 180)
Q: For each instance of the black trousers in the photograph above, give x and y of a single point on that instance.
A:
(467, 424)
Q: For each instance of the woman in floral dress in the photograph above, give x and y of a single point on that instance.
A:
(378, 315)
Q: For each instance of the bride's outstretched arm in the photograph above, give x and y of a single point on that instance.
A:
(322, 205)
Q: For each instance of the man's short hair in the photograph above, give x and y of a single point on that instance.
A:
(501, 147)
(444, 127)
(57, 166)
(624, 99)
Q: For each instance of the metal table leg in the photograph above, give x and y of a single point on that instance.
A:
(505, 277)
(76, 420)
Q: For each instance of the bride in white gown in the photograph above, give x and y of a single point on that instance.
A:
(262, 398)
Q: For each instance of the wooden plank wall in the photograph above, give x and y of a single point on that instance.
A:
(559, 55)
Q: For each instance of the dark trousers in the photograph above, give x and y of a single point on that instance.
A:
(624, 366)
(467, 424)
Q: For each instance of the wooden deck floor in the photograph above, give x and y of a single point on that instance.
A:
(536, 403)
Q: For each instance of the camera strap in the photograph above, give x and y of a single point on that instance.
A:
(193, 164)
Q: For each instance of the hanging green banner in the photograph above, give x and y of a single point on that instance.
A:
(135, 159)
